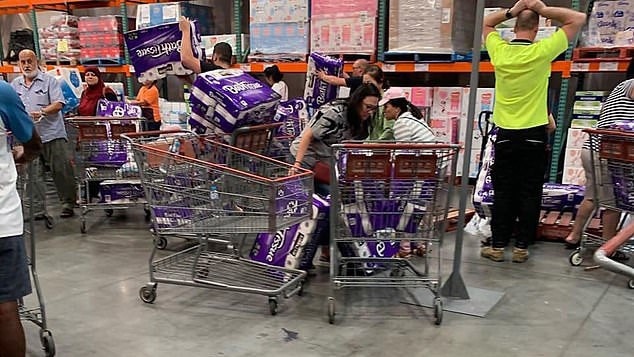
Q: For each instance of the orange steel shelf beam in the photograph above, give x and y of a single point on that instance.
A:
(404, 67)
(8, 7)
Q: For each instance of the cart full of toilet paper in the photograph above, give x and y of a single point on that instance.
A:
(227, 99)
(155, 51)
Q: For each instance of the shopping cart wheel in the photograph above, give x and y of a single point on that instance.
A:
(48, 344)
(331, 310)
(82, 226)
(160, 243)
(148, 214)
(438, 311)
(273, 306)
(300, 292)
(147, 294)
(48, 221)
(630, 284)
(109, 212)
(575, 258)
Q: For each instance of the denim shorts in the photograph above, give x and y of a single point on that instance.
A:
(15, 282)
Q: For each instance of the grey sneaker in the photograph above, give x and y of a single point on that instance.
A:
(520, 255)
(495, 254)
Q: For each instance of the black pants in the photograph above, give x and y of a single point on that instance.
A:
(518, 176)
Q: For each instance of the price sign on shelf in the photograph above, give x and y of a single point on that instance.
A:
(609, 66)
(580, 67)
(62, 45)
(421, 67)
(389, 67)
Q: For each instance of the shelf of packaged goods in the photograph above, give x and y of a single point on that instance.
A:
(8, 7)
(403, 67)
(105, 69)
(600, 66)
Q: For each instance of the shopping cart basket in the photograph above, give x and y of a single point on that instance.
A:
(37, 313)
(385, 195)
(614, 190)
(217, 192)
(108, 175)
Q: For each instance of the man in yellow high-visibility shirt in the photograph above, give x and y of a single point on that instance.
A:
(522, 69)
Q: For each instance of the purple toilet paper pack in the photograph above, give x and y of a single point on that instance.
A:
(624, 125)
(286, 247)
(108, 153)
(559, 197)
(229, 99)
(175, 214)
(316, 91)
(294, 116)
(121, 191)
(106, 108)
(155, 51)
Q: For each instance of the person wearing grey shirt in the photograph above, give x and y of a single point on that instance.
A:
(42, 96)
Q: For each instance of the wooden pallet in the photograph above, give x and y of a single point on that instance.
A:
(556, 225)
(395, 57)
(595, 54)
(351, 57)
(452, 218)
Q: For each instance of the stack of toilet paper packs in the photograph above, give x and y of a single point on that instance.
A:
(228, 99)
(155, 51)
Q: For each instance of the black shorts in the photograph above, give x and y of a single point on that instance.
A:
(15, 282)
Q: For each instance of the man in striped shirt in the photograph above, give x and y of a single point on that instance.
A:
(619, 106)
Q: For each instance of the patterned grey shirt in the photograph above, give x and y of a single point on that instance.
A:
(43, 91)
(329, 126)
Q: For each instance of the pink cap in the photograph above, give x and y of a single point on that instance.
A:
(392, 93)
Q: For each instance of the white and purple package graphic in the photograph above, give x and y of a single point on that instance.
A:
(624, 125)
(560, 197)
(155, 51)
(483, 193)
(106, 108)
(108, 153)
(291, 246)
(355, 209)
(294, 116)
(318, 92)
(291, 198)
(229, 99)
(175, 214)
(121, 191)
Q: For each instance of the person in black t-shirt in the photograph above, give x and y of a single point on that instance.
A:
(353, 82)
(221, 56)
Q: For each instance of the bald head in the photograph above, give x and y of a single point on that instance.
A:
(527, 20)
(28, 63)
(358, 67)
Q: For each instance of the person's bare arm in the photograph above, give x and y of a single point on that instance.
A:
(345, 75)
(53, 108)
(334, 80)
(572, 21)
(496, 18)
(187, 53)
(307, 138)
(30, 149)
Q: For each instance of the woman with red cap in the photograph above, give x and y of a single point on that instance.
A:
(95, 89)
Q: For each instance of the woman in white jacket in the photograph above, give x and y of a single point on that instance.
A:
(410, 126)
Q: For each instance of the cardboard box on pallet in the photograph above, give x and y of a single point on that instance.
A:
(421, 26)
(148, 15)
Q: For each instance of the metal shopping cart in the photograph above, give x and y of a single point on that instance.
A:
(217, 193)
(36, 314)
(107, 172)
(614, 190)
(383, 196)
(256, 139)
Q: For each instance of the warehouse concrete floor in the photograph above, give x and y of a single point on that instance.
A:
(91, 283)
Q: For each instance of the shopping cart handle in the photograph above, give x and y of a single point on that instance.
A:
(155, 133)
(610, 132)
